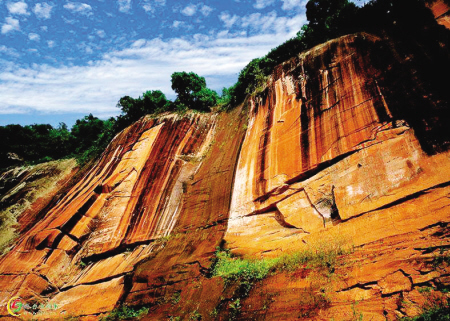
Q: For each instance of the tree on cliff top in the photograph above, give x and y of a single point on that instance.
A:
(192, 91)
(152, 101)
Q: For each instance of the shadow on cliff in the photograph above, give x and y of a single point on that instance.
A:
(414, 61)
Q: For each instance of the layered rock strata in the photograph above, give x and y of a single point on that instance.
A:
(93, 238)
(319, 156)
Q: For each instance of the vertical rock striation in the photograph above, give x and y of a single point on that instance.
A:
(323, 147)
(112, 219)
(334, 148)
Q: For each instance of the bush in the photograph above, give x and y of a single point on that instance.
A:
(321, 255)
(437, 313)
(125, 312)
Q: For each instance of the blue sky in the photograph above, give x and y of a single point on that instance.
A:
(60, 60)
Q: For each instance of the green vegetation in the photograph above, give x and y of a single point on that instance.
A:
(440, 312)
(41, 143)
(235, 309)
(176, 297)
(319, 258)
(125, 312)
(151, 102)
(441, 258)
(195, 315)
(7, 232)
(192, 91)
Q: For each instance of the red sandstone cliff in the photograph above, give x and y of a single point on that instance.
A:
(319, 155)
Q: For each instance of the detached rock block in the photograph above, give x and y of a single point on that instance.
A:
(395, 282)
(298, 211)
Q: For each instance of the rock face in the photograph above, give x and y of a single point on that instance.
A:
(323, 147)
(320, 155)
(26, 191)
(441, 10)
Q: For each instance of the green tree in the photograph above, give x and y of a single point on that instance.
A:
(85, 131)
(192, 91)
(329, 19)
(154, 101)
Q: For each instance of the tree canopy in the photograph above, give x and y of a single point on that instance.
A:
(192, 91)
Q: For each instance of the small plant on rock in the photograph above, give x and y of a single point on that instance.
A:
(235, 309)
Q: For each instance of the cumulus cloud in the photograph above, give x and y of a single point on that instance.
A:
(101, 33)
(10, 25)
(293, 4)
(50, 43)
(144, 65)
(228, 20)
(261, 4)
(9, 51)
(190, 10)
(43, 10)
(34, 37)
(124, 5)
(205, 10)
(150, 6)
(181, 24)
(18, 8)
(79, 7)
(257, 23)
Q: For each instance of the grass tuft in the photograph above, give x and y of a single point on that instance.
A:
(318, 256)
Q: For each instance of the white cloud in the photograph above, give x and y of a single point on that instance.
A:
(124, 5)
(43, 10)
(177, 24)
(150, 6)
(79, 7)
(257, 23)
(205, 10)
(50, 43)
(228, 20)
(147, 7)
(294, 4)
(34, 37)
(44, 28)
(145, 65)
(261, 4)
(190, 10)
(18, 8)
(9, 51)
(181, 24)
(10, 25)
(101, 33)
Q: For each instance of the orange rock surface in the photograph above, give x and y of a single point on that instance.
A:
(318, 157)
(441, 11)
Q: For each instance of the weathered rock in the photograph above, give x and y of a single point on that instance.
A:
(324, 161)
(441, 11)
(26, 191)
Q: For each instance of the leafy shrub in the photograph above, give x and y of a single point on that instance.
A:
(235, 309)
(316, 256)
(195, 315)
(437, 313)
(125, 312)
(321, 256)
